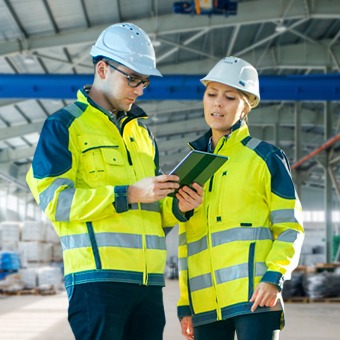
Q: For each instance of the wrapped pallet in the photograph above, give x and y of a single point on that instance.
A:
(49, 277)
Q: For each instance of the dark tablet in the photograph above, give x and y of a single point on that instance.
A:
(197, 166)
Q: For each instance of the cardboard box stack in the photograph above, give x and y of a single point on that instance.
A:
(40, 252)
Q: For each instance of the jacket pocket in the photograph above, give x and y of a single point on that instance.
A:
(101, 161)
(251, 269)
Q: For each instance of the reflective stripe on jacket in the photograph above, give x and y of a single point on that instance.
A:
(248, 229)
(82, 164)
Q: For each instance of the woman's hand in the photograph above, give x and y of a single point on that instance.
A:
(265, 295)
(189, 199)
(187, 327)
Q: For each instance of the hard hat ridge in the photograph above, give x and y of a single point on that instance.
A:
(129, 45)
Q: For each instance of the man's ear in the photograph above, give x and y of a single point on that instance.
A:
(101, 69)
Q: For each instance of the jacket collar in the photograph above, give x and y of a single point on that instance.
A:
(135, 112)
(238, 132)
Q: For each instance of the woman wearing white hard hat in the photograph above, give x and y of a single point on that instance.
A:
(244, 241)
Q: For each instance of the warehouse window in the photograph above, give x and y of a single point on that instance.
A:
(319, 216)
(12, 201)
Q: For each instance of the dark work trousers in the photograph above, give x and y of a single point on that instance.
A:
(116, 311)
(256, 326)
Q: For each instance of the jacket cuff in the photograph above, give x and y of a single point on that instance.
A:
(183, 311)
(121, 200)
(182, 217)
(274, 278)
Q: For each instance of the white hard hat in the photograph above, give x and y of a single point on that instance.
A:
(129, 45)
(237, 73)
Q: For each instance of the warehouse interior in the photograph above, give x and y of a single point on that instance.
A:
(294, 45)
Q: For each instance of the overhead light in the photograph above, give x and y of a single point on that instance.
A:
(156, 43)
(280, 27)
(29, 59)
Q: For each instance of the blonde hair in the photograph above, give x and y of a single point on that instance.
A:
(247, 103)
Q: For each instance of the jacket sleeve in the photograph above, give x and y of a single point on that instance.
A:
(183, 305)
(286, 221)
(171, 214)
(52, 178)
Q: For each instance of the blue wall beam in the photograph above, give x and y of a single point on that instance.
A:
(172, 87)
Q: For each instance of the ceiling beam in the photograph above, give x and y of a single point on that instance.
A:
(11, 156)
(9, 172)
(299, 56)
(20, 130)
(175, 87)
(248, 13)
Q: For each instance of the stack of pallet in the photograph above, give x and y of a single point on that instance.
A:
(319, 283)
(40, 254)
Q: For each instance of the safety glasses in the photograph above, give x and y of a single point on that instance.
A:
(132, 81)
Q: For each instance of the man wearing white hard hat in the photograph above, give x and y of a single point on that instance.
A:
(244, 241)
(96, 175)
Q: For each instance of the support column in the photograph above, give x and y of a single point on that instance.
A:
(328, 187)
(297, 155)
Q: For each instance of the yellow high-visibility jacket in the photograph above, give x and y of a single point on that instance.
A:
(82, 166)
(248, 229)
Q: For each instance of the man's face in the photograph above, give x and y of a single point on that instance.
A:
(118, 90)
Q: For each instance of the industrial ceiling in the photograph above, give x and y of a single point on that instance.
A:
(290, 39)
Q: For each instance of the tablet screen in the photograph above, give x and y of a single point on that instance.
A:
(197, 166)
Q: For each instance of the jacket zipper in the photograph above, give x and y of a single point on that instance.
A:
(213, 276)
(145, 270)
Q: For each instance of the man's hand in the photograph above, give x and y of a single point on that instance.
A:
(152, 189)
(265, 295)
(189, 199)
(187, 327)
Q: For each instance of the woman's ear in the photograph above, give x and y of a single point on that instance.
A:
(246, 109)
(244, 114)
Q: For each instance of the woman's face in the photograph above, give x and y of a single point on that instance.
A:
(223, 107)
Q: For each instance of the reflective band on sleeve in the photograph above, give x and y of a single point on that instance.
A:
(64, 205)
(285, 215)
(183, 263)
(288, 236)
(182, 239)
(47, 195)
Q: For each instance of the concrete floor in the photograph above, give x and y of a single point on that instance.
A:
(33, 317)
